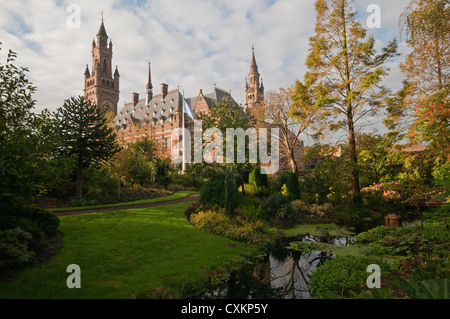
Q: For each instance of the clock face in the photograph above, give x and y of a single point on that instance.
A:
(106, 106)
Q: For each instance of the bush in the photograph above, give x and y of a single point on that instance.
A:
(312, 213)
(14, 252)
(213, 190)
(338, 277)
(187, 181)
(257, 179)
(233, 228)
(231, 198)
(195, 208)
(83, 202)
(98, 183)
(278, 211)
(45, 221)
(292, 186)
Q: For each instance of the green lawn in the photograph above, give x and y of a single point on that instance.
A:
(127, 253)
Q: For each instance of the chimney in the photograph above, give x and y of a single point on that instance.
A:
(135, 97)
(164, 90)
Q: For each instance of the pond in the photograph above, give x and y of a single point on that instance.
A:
(283, 273)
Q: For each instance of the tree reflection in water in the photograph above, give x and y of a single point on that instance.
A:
(283, 274)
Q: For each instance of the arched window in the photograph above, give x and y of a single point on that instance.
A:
(104, 66)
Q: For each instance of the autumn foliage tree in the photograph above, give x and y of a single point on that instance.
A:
(432, 122)
(426, 24)
(346, 73)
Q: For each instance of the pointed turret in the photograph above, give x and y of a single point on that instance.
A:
(102, 30)
(116, 72)
(86, 72)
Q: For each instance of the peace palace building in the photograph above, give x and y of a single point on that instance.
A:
(157, 114)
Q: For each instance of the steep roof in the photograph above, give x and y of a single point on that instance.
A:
(253, 65)
(102, 30)
(155, 111)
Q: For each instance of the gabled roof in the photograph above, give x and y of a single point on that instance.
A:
(211, 98)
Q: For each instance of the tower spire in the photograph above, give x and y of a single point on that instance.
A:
(254, 89)
(253, 65)
(149, 86)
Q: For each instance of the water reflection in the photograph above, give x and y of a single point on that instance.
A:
(283, 274)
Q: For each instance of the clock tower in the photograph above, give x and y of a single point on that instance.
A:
(102, 86)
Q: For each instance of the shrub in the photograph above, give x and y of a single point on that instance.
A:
(191, 181)
(292, 186)
(338, 277)
(233, 228)
(312, 213)
(231, 198)
(45, 221)
(278, 210)
(14, 252)
(257, 179)
(213, 190)
(83, 202)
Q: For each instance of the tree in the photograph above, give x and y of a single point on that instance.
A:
(25, 137)
(345, 73)
(292, 112)
(432, 123)
(231, 193)
(426, 68)
(427, 25)
(225, 115)
(85, 136)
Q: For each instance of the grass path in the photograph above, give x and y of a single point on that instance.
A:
(124, 205)
(127, 254)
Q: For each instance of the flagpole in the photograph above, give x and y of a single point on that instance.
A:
(183, 167)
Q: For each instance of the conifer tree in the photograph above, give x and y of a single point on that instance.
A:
(345, 73)
(85, 135)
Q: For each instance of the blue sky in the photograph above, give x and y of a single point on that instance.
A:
(193, 44)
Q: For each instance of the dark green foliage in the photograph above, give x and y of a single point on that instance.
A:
(39, 224)
(192, 209)
(85, 137)
(25, 137)
(14, 252)
(338, 277)
(231, 192)
(425, 289)
(278, 210)
(213, 190)
(256, 178)
(99, 183)
(413, 241)
(293, 187)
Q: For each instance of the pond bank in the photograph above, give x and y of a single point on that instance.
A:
(284, 271)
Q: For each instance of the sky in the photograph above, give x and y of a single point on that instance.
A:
(193, 44)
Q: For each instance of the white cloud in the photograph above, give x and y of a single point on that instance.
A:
(193, 43)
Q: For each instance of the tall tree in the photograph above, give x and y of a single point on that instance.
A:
(426, 24)
(85, 135)
(345, 72)
(25, 137)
